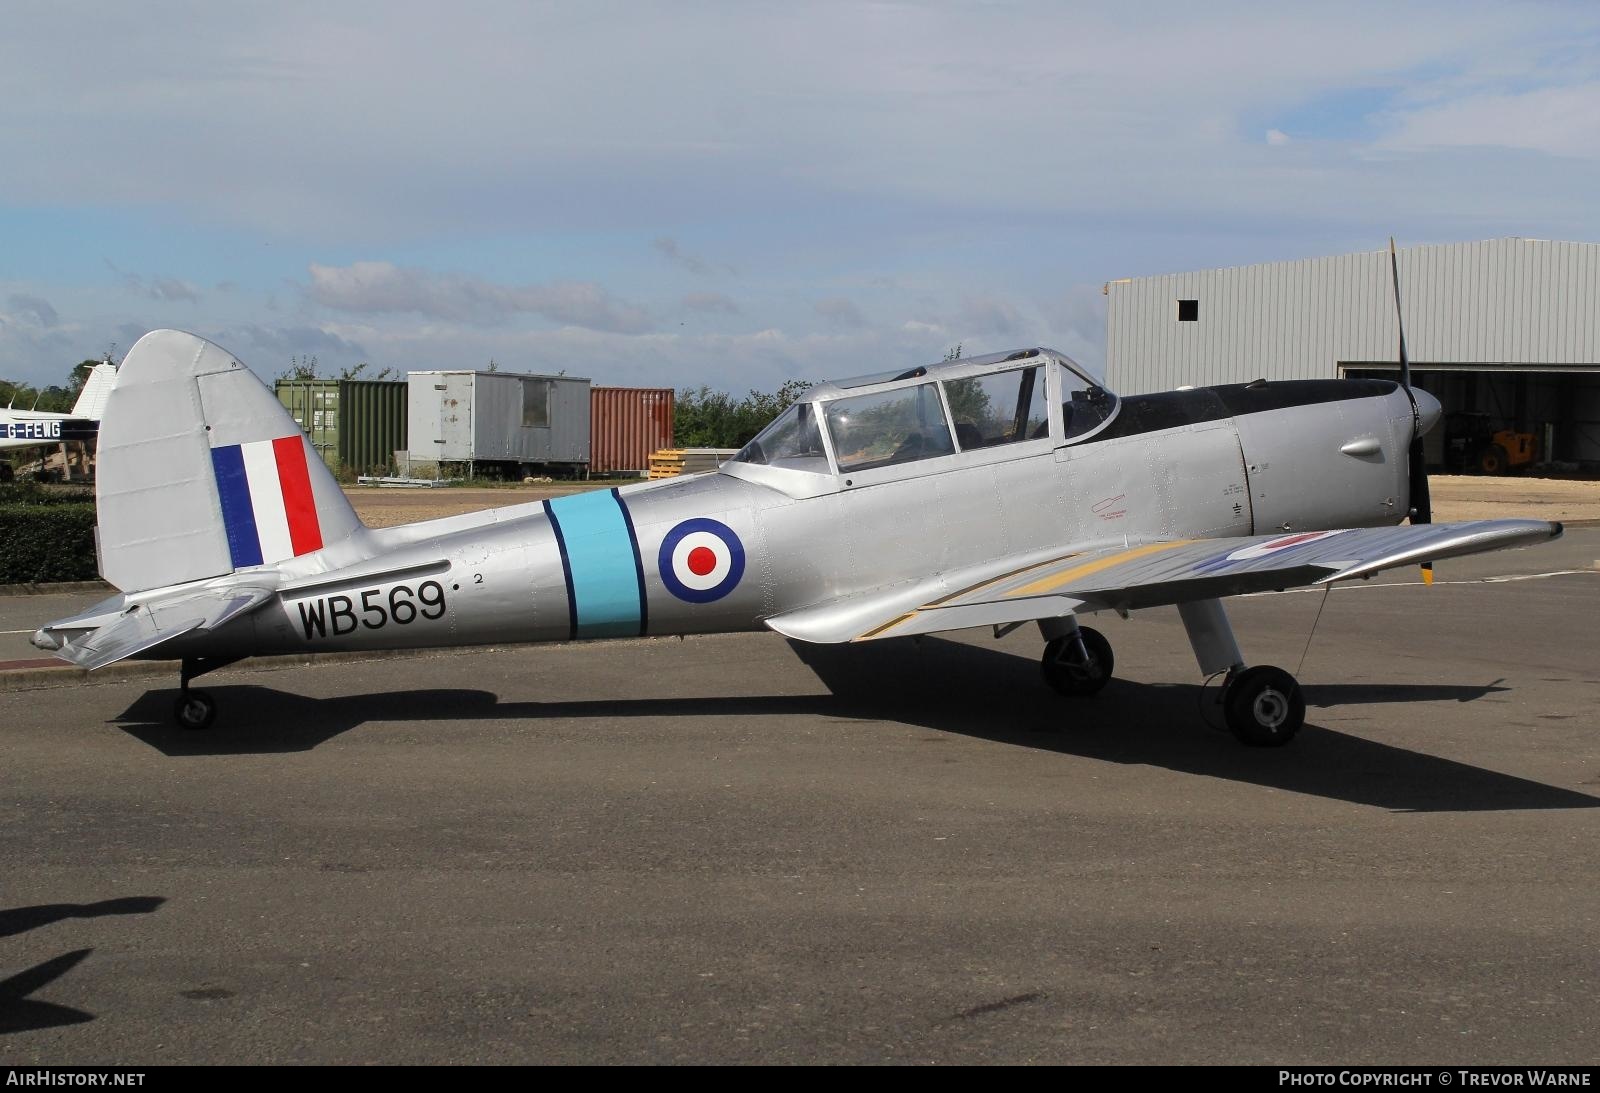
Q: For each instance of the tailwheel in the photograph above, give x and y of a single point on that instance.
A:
(1264, 706)
(194, 710)
(1078, 670)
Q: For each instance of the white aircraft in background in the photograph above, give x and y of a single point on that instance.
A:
(31, 428)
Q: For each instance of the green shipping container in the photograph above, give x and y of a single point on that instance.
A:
(356, 426)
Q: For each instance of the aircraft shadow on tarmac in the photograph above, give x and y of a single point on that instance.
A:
(18, 920)
(19, 1012)
(945, 686)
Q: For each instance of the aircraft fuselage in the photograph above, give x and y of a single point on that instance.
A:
(725, 551)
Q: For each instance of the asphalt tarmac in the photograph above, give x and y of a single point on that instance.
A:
(734, 849)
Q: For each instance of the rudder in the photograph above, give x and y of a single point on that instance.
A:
(202, 471)
(91, 404)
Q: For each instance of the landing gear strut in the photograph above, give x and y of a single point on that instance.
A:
(195, 710)
(1263, 706)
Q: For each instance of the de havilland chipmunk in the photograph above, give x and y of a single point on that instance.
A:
(986, 492)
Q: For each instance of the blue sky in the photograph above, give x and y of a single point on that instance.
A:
(737, 194)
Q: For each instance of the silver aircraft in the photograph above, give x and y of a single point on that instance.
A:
(986, 492)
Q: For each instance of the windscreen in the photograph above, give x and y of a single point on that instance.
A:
(793, 441)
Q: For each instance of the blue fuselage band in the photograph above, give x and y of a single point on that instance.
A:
(601, 558)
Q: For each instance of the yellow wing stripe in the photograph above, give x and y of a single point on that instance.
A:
(878, 631)
(890, 625)
(1067, 576)
(981, 585)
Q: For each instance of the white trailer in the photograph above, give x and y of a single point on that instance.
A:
(499, 423)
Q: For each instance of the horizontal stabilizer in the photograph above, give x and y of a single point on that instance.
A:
(374, 572)
(147, 625)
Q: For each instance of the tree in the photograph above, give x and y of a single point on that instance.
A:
(969, 402)
(705, 418)
(301, 368)
(80, 374)
(307, 367)
(356, 373)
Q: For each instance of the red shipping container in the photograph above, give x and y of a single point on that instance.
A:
(626, 425)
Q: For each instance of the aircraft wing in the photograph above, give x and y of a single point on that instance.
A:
(1128, 577)
(149, 624)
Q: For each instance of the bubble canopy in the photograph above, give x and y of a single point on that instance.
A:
(996, 404)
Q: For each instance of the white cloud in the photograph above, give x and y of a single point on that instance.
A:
(31, 309)
(989, 316)
(1078, 325)
(279, 343)
(32, 351)
(710, 302)
(762, 359)
(669, 248)
(1559, 121)
(839, 312)
(165, 289)
(381, 287)
(311, 117)
(964, 165)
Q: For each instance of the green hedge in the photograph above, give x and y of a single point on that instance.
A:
(46, 535)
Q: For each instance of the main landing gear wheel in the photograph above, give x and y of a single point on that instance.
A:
(194, 710)
(1264, 706)
(1068, 672)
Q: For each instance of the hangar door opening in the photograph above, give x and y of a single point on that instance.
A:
(1534, 416)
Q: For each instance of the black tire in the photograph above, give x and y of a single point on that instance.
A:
(1064, 671)
(194, 710)
(1494, 460)
(1264, 707)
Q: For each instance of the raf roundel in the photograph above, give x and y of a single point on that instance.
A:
(701, 560)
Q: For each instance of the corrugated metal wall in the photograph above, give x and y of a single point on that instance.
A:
(1499, 302)
(314, 405)
(372, 424)
(626, 424)
(355, 425)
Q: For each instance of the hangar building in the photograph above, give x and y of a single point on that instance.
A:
(1504, 331)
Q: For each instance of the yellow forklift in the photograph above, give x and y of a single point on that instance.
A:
(1472, 445)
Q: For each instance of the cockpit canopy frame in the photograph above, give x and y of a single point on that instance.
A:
(889, 426)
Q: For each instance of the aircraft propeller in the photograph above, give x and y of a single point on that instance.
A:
(1420, 500)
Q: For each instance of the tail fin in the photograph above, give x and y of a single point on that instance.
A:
(203, 472)
(96, 389)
